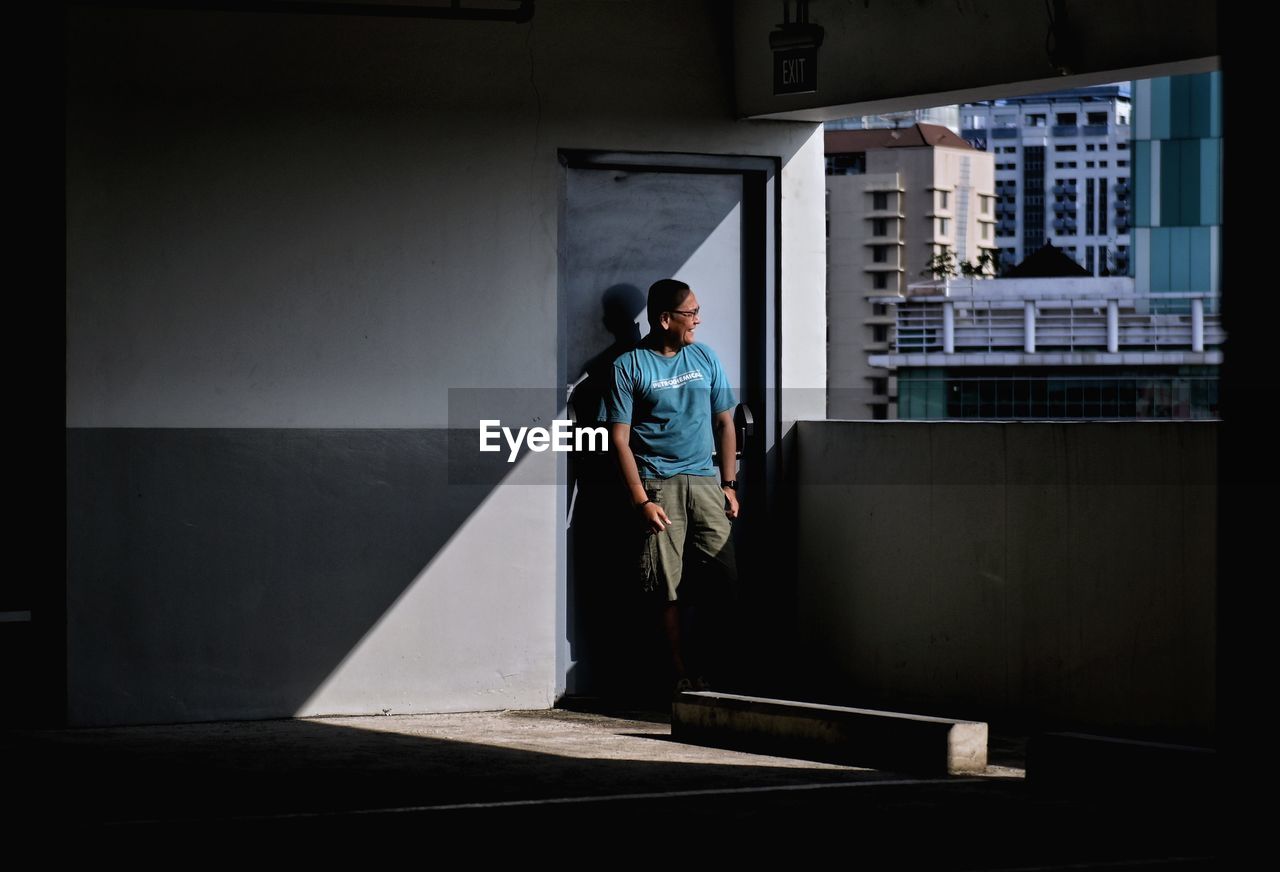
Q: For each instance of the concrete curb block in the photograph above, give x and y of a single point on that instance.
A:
(858, 737)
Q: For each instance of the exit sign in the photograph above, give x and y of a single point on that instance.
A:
(795, 71)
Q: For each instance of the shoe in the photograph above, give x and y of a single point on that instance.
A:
(701, 683)
(683, 685)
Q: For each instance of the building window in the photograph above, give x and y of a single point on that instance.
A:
(852, 164)
(880, 281)
(1102, 211)
(1064, 148)
(942, 226)
(1103, 146)
(985, 203)
(1088, 207)
(1122, 163)
(943, 199)
(880, 253)
(879, 200)
(1103, 164)
(986, 231)
(1097, 118)
(1088, 164)
(880, 308)
(880, 332)
(1066, 118)
(879, 227)
(1089, 147)
(1035, 120)
(1121, 146)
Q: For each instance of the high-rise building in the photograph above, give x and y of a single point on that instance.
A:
(1177, 196)
(1063, 169)
(895, 198)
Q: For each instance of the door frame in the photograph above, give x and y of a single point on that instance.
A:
(761, 310)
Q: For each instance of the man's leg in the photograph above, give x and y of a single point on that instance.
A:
(711, 532)
(666, 552)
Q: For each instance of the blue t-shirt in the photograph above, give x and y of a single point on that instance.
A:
(669, 401)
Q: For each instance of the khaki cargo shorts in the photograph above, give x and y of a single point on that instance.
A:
(695, 505)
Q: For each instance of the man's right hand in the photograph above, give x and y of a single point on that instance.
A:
(655, 517)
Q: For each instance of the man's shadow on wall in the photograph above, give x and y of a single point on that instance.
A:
(610, 643)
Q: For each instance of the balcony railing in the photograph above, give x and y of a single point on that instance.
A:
(973, 324)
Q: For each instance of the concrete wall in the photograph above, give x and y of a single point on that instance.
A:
(288, 237)
(1060, 574)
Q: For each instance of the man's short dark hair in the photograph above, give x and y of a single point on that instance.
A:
(666, 295)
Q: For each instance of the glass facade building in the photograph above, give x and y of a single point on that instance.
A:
(1024, 393)
(1177, 203)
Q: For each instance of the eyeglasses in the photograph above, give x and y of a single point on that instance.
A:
(692, 313)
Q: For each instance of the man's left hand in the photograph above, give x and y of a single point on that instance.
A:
(730, 502)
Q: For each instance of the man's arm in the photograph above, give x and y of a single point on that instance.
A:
(620, 437)
(727, 449)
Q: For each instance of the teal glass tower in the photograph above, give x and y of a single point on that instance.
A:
(1177, 203)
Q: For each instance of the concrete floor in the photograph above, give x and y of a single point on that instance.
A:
(525, 782)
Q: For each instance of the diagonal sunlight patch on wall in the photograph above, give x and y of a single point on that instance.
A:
(715, 262)
(475, 629)
(478, 627)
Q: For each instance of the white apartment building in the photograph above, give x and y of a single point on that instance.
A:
(1062, 173)
(895, 198)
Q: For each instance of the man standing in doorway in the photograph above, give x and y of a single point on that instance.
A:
(669, 401)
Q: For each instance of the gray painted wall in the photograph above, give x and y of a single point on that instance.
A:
(288, 238)
(1059, 573)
